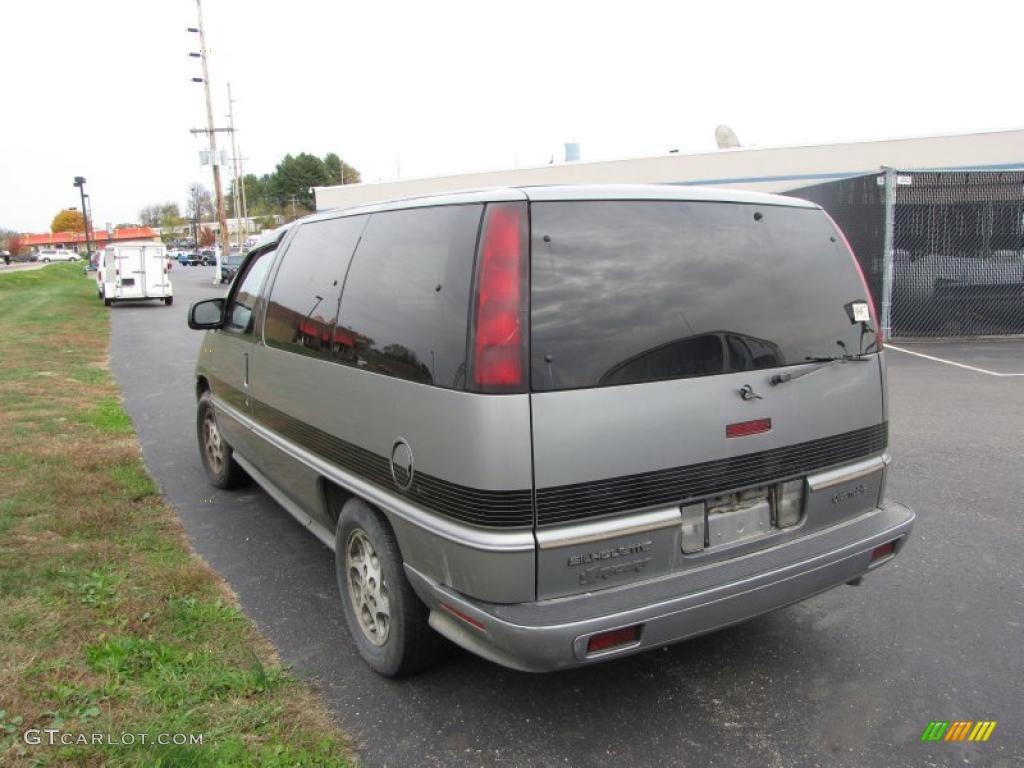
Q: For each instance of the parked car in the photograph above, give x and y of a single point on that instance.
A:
(558, 425)
(229, 267)
(207, 257)
(46, 255)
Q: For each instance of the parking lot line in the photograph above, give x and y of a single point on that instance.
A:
(952, 362)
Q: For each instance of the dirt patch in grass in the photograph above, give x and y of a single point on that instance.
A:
(108, 623)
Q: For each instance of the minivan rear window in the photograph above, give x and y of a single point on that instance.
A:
(625, 292)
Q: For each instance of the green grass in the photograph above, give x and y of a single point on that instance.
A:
(108, 623)
(108, 416)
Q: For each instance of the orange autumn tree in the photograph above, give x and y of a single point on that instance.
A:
(68, 220)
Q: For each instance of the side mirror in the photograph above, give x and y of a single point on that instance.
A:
(206, 315)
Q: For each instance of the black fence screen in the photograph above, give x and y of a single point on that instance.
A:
(858, 206)
(952, 260)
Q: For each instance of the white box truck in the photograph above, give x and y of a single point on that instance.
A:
(133, 271)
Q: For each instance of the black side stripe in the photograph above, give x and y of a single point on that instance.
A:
(493, 509)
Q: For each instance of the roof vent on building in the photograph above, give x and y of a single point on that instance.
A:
(726, 137)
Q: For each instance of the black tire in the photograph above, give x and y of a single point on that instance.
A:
(409, 645)
(107, 302)
(168, 300)
(223, 472)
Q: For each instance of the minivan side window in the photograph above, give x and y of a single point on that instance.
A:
(243, 303)
(304, 299)
(405, 308)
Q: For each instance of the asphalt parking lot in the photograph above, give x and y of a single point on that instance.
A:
(851, 677)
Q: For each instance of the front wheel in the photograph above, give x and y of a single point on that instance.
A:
(168, 300)
(384, 616)
(217, 456)
(107, 302)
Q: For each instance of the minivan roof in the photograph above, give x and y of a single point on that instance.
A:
(549, 193)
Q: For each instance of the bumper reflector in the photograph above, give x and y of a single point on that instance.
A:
(882, 552)
(463, 617)
(616, 638)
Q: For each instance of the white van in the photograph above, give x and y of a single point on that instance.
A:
(134, 271)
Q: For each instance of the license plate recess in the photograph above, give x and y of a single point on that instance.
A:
(739, 517)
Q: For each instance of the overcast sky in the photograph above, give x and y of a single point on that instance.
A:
(102, 89)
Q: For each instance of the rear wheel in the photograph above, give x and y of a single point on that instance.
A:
(107, 302)
(384, 616)
(168, 300)
(218, 457)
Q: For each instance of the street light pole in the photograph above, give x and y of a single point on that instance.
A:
(80, 183)
(218, 191)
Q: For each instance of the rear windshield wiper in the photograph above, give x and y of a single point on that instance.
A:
(817, 363)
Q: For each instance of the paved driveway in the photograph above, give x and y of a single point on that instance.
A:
(851, 677)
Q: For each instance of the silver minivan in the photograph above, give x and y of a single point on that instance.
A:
(558, 425)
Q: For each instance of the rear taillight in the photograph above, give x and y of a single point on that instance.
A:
(864, 284)
(500, 317)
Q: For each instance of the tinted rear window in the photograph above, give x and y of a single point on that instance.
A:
(627, 292)
(405, 307)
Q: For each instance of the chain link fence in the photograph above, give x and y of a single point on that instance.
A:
(943, 251)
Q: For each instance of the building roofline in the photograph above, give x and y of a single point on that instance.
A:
(695, 153)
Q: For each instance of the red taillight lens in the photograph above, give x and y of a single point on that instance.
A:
(863, 282)
(617, 637)
(499, 335)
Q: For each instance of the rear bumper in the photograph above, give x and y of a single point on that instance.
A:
(553, 634)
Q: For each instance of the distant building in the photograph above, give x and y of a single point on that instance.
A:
(75, 241)
(239, 226)
(764, 169)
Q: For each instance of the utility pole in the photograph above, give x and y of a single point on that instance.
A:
(238, 180)
(211, 133)
(245, 204)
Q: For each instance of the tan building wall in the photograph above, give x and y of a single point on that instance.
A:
(767, 169)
